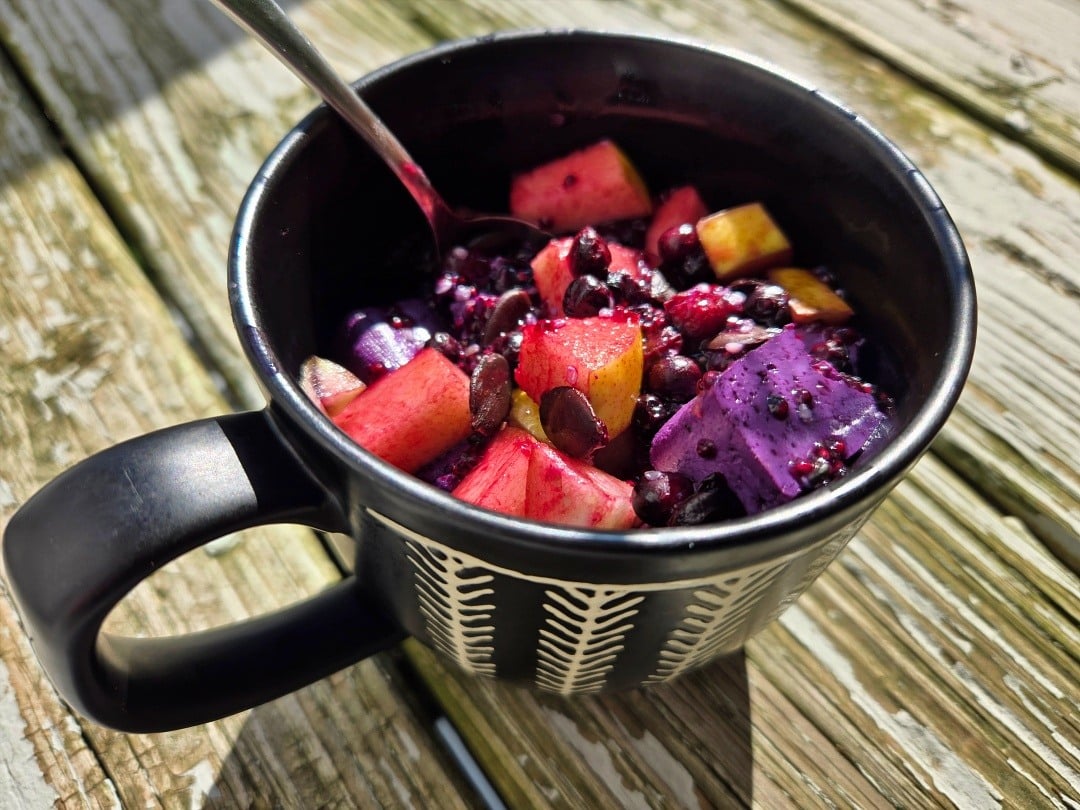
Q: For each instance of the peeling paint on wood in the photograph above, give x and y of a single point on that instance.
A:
(21, 782)
(943, 769)
(934, 665)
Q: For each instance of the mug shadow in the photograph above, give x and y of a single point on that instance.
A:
(687, 743)
(694, 734)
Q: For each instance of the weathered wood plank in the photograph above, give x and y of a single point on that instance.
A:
(721, 737)
(934, 665)
(814, 688)
(477, 17)
(47, 761)
(170, 110)
(1011, 64)
(91, 356)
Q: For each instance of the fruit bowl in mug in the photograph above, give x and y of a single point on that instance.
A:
(325, 229)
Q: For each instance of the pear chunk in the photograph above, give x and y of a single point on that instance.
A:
(742, 241)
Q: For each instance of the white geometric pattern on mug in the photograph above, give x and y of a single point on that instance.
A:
(709, 623)
(712, 620)
(451, 591)
(586, 622)
(583, 635)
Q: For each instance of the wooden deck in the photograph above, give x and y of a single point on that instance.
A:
(935, 664)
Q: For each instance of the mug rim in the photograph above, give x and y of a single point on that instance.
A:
(775, 530)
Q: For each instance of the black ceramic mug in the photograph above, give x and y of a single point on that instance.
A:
(568, 610)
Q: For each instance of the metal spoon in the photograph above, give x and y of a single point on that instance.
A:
(271, 26)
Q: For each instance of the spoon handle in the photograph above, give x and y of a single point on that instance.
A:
(266, 21)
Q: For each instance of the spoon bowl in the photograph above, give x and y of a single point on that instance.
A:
(271, 26)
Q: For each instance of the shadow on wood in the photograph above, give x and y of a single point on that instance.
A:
(690, 740)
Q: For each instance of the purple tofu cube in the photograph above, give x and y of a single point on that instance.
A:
(769, 410)
(372, 345)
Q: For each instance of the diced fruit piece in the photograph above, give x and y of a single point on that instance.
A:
(742, 240)
(600, 356)
(626, 260)
(570, 492)
(519, 475)
(763, 419)
(590, 186)
(552, 273)
(525, 414)
(329, 385)
(681, 206)
(810, 298)
(499, 478)
(412, 415)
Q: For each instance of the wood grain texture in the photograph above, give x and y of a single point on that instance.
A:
(915, 669)
(1013, 65)
(47, 760)
(169, 110)
(880, 687)
(91, 357)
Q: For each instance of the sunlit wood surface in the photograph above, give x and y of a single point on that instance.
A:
(935, 664)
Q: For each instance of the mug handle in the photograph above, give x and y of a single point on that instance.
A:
(93, 533)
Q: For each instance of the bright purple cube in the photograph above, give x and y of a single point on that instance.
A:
(371, 345)
(768, 416)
